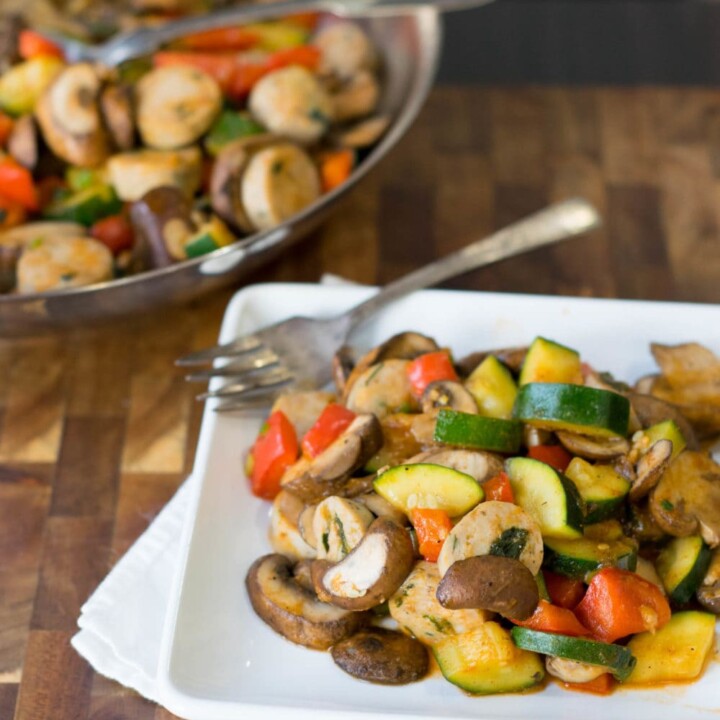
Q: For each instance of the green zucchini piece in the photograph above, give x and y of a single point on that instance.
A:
(682, 565)
(676, 652)
(425, 485)
(542, 587)
(575, 408)
(548, 361)
(493, 387)
(478, 432)
(212, 235)
(485, 661)
(547, 495)
(230, 125)
(86, 206)
(617, 659)
(601, 487)
(584, 556)
(666, 430)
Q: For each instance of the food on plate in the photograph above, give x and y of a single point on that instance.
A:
(517, 514)
(215, 136)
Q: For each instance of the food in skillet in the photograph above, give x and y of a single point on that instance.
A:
(516, 514)
(220, 135)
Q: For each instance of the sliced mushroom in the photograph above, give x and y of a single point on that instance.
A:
(294, 612)
(364, 133)
(593, 448)
(306, 525)
(226, 178)
(382, 656)
(339, 525)
(479, 532)
(69, 117)
(382, 389)
(326, 473)
(416, 609)
(380, 507)
(572, 671)
(651, 411)
(477, 463)
(640, 524)
(279, 182)
(23, 143)
(163, 224)
(135, 173)
(373, 571)
(284, 535)
(176, 105)
(512, 357)
(292, 102)
(302, 408)
(650, 468)
(356, 98)
(448, 394)
(116, 106)
(708, 593)
(687, 498)
(302, 574)
(490, 582)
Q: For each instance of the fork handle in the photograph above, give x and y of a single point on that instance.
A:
(557, 222)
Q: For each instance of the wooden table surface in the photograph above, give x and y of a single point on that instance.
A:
(97, 429)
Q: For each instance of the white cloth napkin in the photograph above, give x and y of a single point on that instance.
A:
(121, 623)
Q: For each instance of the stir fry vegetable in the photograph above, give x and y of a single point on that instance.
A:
(218, 135)
(570, 534)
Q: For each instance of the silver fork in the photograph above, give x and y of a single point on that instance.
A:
(299, 351)
(136, 43)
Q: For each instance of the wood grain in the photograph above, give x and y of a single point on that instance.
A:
(98, 429)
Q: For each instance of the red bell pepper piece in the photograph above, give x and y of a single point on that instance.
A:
(221, 39)
(115, 232)
(602, 685)
(327, 428)
(619, 603)
(551, 618)
(335, 168)
(306, 55)
(554, 455)
(499, 488)
(16, 183)
(429, 368)
(564, 591)
(432, 527)
(32, 44)
(274, 452)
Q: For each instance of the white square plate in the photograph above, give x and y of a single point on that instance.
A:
(220, 662)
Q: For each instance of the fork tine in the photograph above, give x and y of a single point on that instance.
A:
(240, 390)
(237, 347)
(250, 366)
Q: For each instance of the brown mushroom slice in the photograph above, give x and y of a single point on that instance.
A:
(686, 363)
(479, 464)
(356, 98)
(448, 394)
(226, 179)
(23, 142)
(163, 224)
(641, 525)
(650, 468)
(651, 410)
(364, 133)
(324, 474)
(284, 534)
(512, 357)
(380, 507)
(116, 107)
(708, 593)
(373, 571)
(382, 389)
(382, 656)
(403, 346)
(339, 524)
(687, 498)
(305, 524)
(176, 105)
(490, 582)
(593, 448)
(293, 611)
(69, 117)
(573, 671)
(302, 574)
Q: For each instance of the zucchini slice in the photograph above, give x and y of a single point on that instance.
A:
(424, 485)
(677, 651)
(617, 659)
(475, 431)
(574, 408)
(549, 362)
(666, 430)
(579, 558)
(547, 496)
(600, 486)
(485, 661)
(86, 206)
(682, 565)
(493, 387)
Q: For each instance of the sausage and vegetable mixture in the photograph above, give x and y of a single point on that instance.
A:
(516, 514)
(222, 134)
